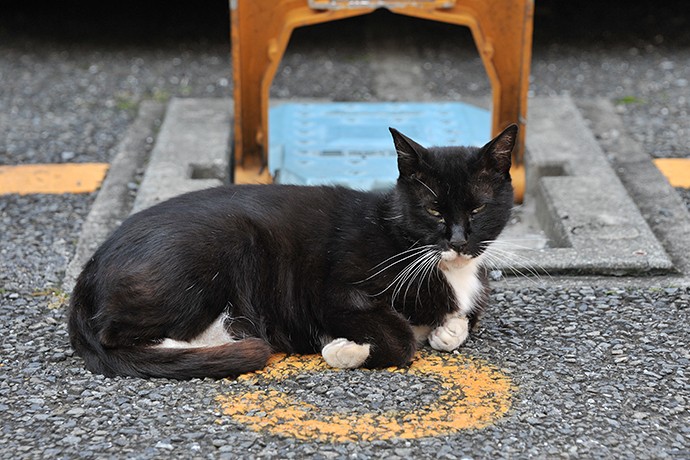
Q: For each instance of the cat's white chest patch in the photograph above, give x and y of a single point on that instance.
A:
(465, 283)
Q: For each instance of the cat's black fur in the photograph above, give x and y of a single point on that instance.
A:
(292, 267)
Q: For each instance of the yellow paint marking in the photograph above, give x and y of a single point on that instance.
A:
(474, 395)
(52, 178)
(676, 170)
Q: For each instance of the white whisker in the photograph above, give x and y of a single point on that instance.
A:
(409, 253)
(521, 261)
(417, 272)
(509, 243)
(430, 266)
(411, 249)
(404, 275)
(518, 264)
(497, 264)
(421, 266)
(515, 259)
(427, 187)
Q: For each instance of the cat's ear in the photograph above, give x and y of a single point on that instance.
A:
(409, 153)
(498, 152)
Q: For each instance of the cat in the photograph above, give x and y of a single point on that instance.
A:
(210, 283)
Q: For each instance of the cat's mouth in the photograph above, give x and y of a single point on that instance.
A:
(452, 259)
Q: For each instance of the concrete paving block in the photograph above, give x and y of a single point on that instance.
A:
(191, 151)
(662, 208)
(580, 202)
(602, 225)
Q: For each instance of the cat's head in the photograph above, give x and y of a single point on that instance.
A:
(455, 198)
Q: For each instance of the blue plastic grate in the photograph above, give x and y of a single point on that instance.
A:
(348, 143)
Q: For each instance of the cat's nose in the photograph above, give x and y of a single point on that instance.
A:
(458, 240)
(459, 246)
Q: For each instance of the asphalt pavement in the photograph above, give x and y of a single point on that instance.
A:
(586, 367)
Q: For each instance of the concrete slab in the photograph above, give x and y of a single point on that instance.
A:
(191, 152)
(592, 224)
(660, 205)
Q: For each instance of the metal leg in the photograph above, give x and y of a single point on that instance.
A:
(261, 29)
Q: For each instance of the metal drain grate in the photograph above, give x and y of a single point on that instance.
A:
(348, 143)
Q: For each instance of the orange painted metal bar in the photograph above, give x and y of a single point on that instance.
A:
(261, 29)
(502, 32)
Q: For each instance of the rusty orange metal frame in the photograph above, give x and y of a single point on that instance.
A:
(261, 29)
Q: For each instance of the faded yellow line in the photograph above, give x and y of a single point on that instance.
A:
(676, 170)
(52, 178)
(474, 395)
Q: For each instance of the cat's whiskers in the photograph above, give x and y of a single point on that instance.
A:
(430, 268)
(403, 274)
(411, 249)
(517, 268)
(510, 242)
(501, 254)
(401, 257)
(418, 269)
(415, 273)
(497, 253)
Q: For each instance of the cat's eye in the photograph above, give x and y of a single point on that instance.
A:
(478, 210)
(435, 213)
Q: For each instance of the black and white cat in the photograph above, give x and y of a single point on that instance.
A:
(210, 283)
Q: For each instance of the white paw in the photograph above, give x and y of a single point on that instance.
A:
(450, 335)
(344, 354)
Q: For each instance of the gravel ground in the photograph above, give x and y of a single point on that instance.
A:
(39, 235)
(685, 193)
(599, 372)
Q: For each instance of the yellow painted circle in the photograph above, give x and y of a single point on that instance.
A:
(474, 395)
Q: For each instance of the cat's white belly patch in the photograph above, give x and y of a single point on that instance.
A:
(451, 334)
(216, 334)
(344, 354)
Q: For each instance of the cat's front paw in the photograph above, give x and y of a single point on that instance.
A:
(345, 354)
(450, 335)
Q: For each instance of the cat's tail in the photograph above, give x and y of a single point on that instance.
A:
(227, 360)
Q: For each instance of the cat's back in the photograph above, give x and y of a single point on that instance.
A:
(230, 213)
(260, 202)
